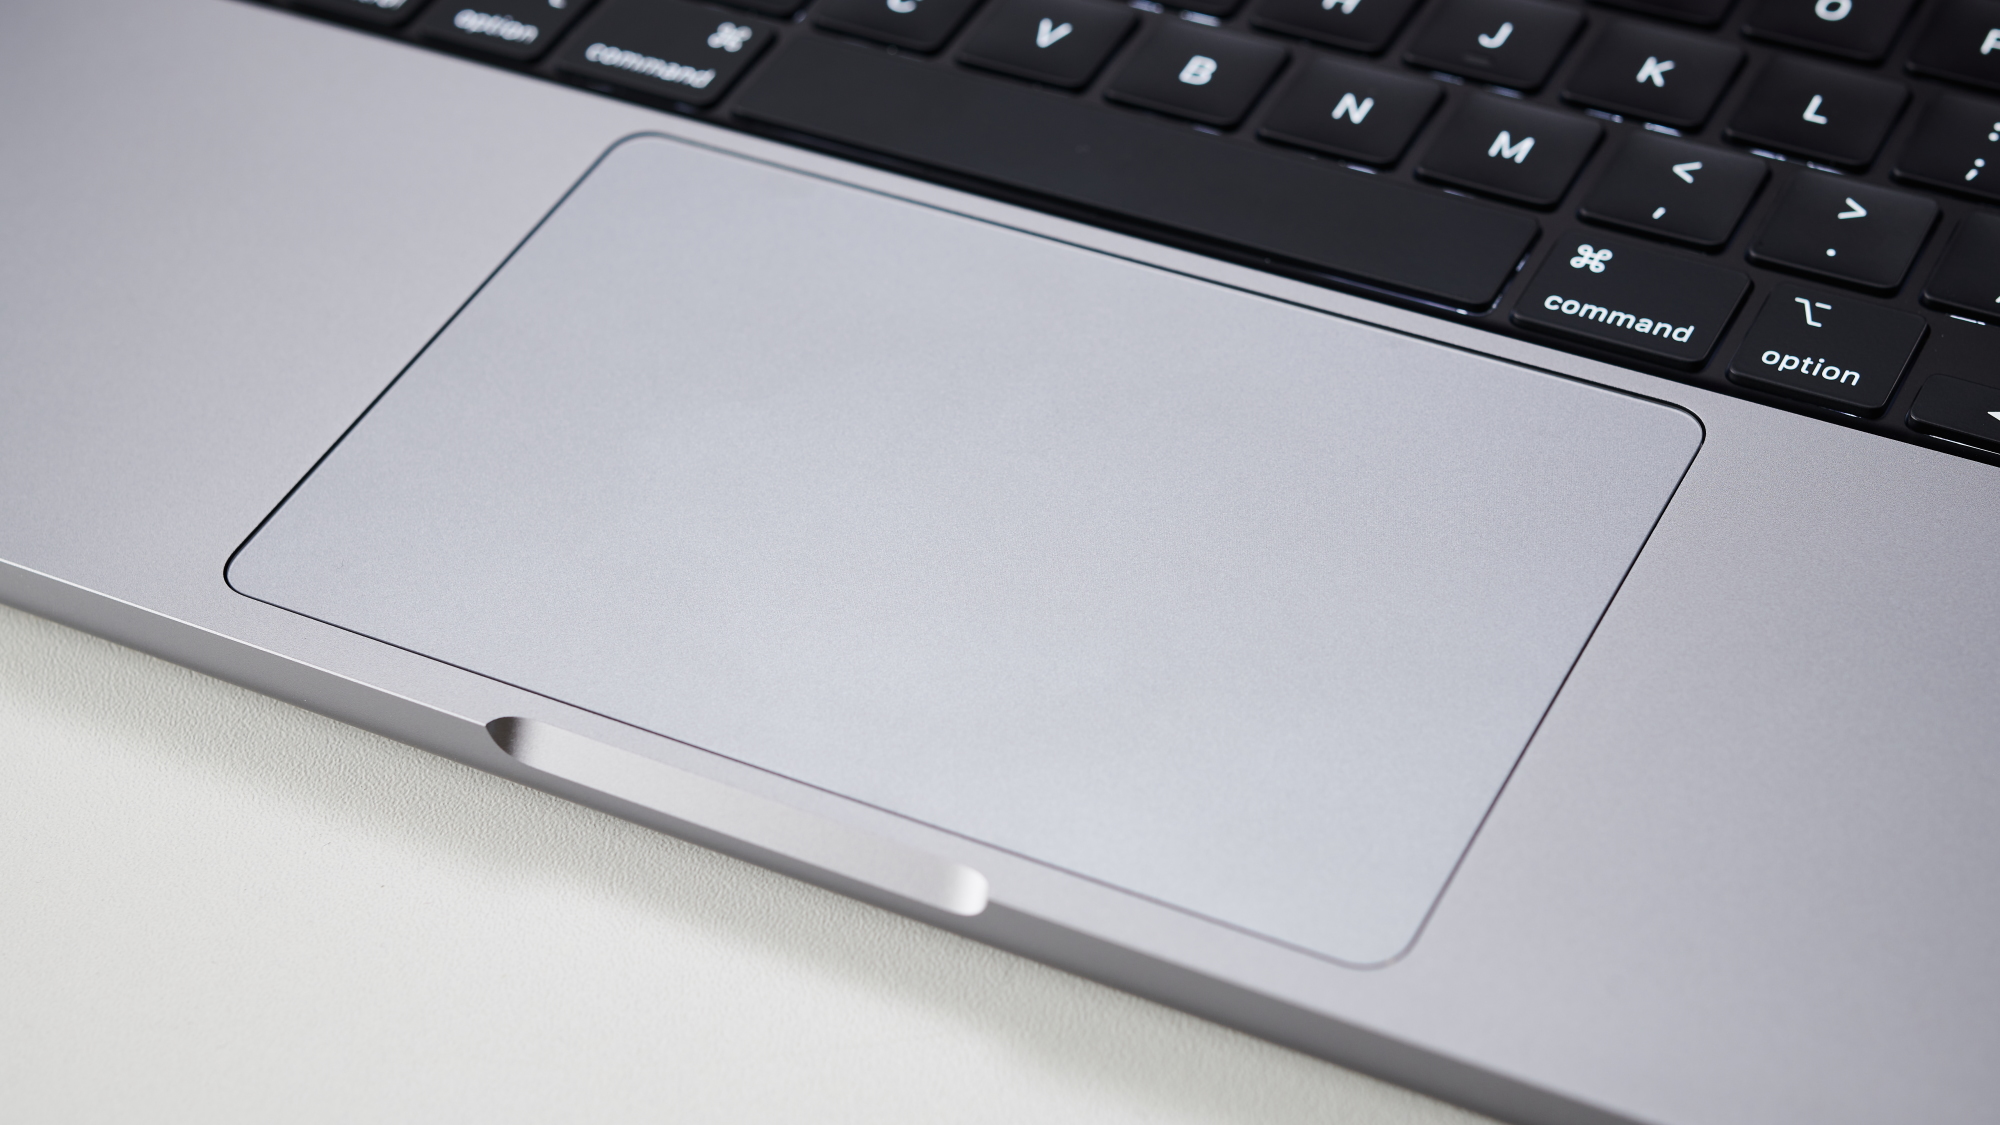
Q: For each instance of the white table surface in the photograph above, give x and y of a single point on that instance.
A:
(216, 907)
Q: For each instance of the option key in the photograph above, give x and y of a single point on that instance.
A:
(1827, 348)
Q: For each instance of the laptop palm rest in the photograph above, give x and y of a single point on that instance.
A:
(1229, 603)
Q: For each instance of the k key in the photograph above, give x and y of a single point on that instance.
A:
(1655, 74)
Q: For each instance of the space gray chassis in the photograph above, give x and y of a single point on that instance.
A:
(1741, 875)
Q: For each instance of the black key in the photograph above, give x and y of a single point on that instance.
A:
(1702, 13)
(375, 13)
(1818, 112)
(1962, 43)
(1844, 230)
(1666, 76)
(1956, 146)
(1852, 29)
(1508, 148)
(1837, 351)
(1675, 189)
(1209, 7)
(1968, 279)
(1959, 410)
(1351, 110)
(1190, 71)
(1630, 299)
(1507, 42)
(1358, 25)
(664, 49)
(920, 25)
(780, 8)
(1061, 42)
(1433, 245)
(517, 31)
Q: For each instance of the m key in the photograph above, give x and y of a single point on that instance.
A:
(1505, 148)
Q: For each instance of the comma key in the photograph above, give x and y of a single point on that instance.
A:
(1624, 297)
(1827, 348)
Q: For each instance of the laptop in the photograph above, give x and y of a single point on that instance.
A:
(1457, 536)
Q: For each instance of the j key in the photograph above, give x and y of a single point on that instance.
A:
(1504, 147)
(1634, 300)
(1852, 232)
(1061, 42)
(1834, 350)
(1852, 29)
(377, 13)
(1818, 112)
(1192, 72)
(517, 31)
(1674, 189)
(1958, 409)
(664, 49)
(1962, 43)
(1434, 245)
(1659, 75)
(1956, 146)
(1968, 279)
(1358, 25)
(1351, 110)
(1507, 42)
(920, 25)
(1701, 13)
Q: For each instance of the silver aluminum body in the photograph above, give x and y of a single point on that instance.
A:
(1741, 874)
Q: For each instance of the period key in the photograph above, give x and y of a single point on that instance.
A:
(1622, 296)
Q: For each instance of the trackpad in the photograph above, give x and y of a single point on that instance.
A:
(1229, 603)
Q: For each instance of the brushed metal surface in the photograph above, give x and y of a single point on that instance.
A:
(1225, 602)
(1739, 876)
(750, 820)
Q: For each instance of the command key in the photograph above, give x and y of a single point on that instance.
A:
(1630, 299)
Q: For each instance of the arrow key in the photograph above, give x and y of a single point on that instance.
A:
(1959, 410)
(1855, 233)
(1675, 189)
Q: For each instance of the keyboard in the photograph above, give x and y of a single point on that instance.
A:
(1791, 201)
